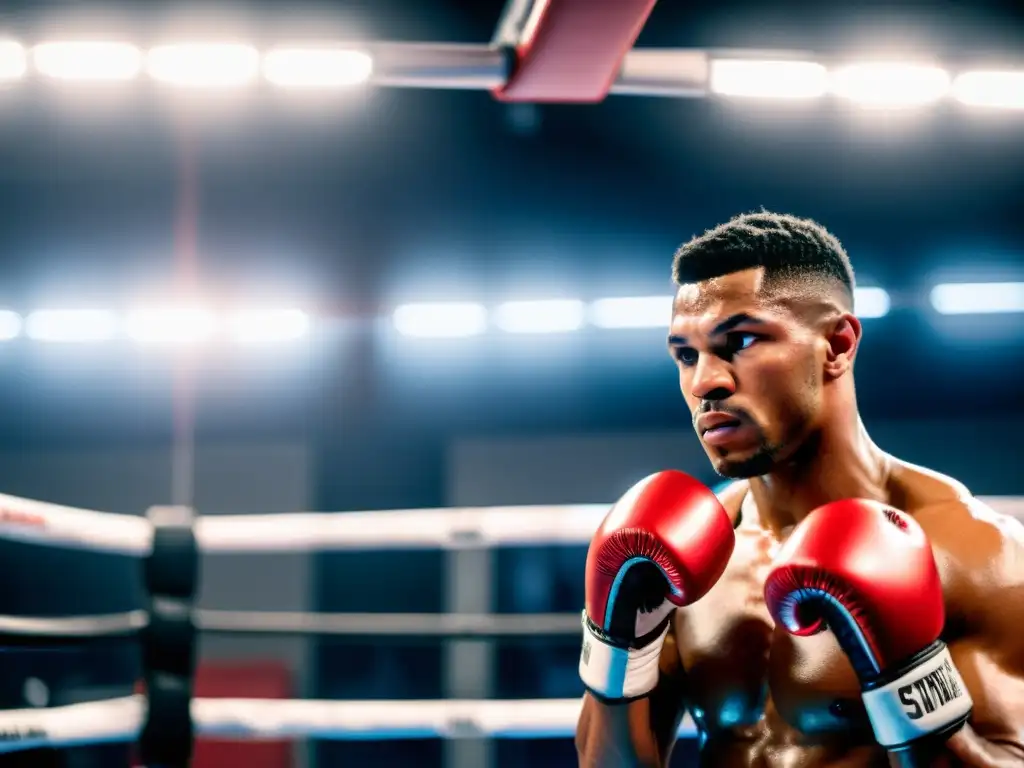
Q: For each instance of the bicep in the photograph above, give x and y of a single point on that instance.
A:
(986, 552)
(996, 733)
(993, 670)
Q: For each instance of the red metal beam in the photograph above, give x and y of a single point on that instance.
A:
(572, 50)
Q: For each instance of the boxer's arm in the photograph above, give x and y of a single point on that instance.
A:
(639, 734)
(981, 556)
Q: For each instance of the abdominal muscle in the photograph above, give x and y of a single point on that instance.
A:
(759, 696)
(773, 744)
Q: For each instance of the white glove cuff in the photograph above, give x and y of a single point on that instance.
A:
(614, 672)
(929, 697)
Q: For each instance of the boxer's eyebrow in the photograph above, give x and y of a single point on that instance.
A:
(734, 321)
(730, 323)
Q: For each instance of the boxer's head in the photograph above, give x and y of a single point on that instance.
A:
(764, 338)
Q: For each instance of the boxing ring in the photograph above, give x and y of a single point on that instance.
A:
(164, 537)
(173, 538)
(559, 51)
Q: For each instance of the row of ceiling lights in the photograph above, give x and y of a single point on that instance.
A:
(196, 324)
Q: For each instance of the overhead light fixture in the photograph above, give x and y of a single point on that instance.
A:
(71, 325)
(632, 312)
(171, 326)
(977, 298)
(883, 84)
(995, 89)
(84, 61)
(203, 65)
(543, 316)
(768, 79)
(13, 61)
(316, 68)
(10, 325)
(871, 302)
(440, 319)
(265, 326)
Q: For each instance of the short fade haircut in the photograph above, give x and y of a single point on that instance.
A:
(790, 249)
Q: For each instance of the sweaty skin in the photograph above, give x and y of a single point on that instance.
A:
(759, 696)
(765, 698)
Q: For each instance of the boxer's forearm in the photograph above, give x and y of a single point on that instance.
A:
(978, 752)
(621, 735)
(964, 748)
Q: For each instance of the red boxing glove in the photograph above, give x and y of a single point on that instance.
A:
(664, 544)
(866, 572)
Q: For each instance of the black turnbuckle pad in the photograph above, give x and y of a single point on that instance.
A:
(168, 734)
(172, 568)
(171, 578)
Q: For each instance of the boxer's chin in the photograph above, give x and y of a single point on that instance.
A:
(737, 466)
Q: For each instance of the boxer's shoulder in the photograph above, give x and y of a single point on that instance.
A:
(914, 488)
(951, 516)
(980, 552)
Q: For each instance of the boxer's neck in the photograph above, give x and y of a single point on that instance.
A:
(840, 461)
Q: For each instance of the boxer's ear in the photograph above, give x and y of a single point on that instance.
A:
(843, 338)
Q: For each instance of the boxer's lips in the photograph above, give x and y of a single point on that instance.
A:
(711, 422)
(719, 428)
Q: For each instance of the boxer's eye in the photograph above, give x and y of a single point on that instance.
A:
(686, 355)
(737, 342)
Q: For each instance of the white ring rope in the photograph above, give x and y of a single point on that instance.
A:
(59, 526)
(121, 720)
(36, 631)
(456, 528)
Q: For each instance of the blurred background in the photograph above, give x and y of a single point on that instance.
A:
(244, 266)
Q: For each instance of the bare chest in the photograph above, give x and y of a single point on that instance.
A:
(744, 673)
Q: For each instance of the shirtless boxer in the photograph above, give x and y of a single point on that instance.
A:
(897, 637)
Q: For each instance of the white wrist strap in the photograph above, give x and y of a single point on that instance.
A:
(615, 672)
(927, 698)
